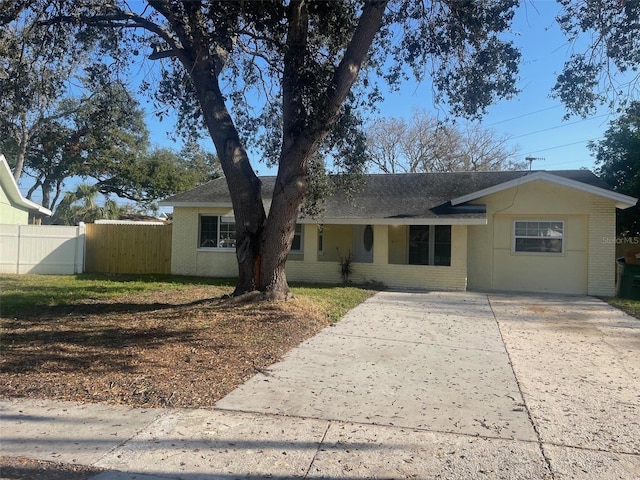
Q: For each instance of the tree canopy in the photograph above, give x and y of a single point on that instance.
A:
(82, 205)
(61, 119)
(294, 78)
(618, 159)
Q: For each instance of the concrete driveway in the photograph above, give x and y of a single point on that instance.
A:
(408, 385)
(560, 376)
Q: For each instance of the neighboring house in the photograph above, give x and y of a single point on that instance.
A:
(540, 231)
(14, 208)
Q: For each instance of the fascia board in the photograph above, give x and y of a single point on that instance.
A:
(622, 201)
(13, 191)
(39, 208)
(394, 221)
(196, 204)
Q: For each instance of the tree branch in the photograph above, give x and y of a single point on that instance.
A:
(120, 18)
(355, 54)
(294, 114)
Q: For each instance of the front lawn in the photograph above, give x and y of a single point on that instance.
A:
(632, 307)
(148, 340)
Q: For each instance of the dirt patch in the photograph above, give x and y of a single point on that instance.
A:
(182, 348)
(12, 468)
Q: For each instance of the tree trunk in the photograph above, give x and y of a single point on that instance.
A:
(22, 151)
(245, 187)
(289, 191)
(264, 244)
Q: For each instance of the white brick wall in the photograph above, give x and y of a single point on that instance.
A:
(422, 277)
(186, 258)
(184, 241)
(602, 249)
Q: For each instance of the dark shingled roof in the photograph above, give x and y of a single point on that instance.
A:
(409, 195)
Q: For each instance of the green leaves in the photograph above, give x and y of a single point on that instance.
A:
(618, 159)
(603, 69)
(460, 45)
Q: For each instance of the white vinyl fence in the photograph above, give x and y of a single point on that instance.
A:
(42, 249)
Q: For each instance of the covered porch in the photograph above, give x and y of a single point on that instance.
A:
(383, 253)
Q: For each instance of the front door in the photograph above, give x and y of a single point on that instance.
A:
(363, 243)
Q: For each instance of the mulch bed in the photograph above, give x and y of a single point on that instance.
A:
(181, 348)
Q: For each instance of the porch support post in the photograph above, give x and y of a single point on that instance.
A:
(381, 244)
(310, 239)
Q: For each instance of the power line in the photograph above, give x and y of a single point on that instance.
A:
(523, 115)
(561, 146)
(558, 126)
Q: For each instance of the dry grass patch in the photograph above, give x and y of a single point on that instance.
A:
(159, 348)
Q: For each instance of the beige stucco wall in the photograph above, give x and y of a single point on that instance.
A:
(11, 214)
(338, 241)
(398, 244)
(585, 267)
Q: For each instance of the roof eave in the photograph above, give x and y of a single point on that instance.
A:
(622, 201)
(165, 203)
(39, 209)
(13, 191)
(397, 221)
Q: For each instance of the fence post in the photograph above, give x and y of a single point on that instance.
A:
(18, 255)
(80, 248)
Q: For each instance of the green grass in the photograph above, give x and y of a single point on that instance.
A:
(632, 307)
(337, 300)
(21, 294)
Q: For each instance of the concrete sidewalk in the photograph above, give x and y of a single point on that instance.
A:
(408, 385)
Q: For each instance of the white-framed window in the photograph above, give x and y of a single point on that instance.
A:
(430, 245)
(538, 236)
(297, 244)
(217, 232)
(320, 239)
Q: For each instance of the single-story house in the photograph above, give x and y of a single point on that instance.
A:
(530, 231)
(14, 208)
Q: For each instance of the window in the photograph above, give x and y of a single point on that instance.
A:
(321, 239)
(430, 245)
(296, 246)
(217, 232)
(208, 231)
(442, 245)
(227, 233)
(538, 236)
(419, 245)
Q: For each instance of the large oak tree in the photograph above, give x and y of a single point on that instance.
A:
(293, 76)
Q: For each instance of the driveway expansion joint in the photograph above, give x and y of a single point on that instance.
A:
(524, 401)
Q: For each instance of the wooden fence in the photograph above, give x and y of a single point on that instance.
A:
(121, 248)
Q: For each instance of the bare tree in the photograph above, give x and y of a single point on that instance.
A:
(425, 144)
